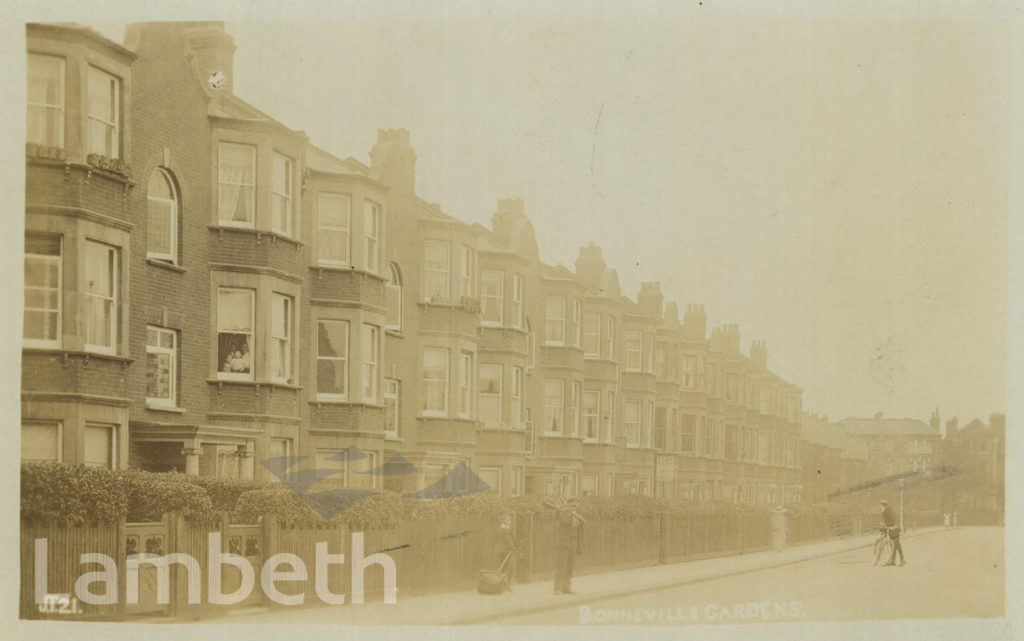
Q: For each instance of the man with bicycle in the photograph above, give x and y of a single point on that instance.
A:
(890, 521)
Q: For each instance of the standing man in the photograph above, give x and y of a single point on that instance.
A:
(568, 540)
(890, 520)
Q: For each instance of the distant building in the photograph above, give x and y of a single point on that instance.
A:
(975, 455)
(895, 446)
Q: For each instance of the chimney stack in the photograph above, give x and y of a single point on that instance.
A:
(695, 323)
(759, 356)
(651, 300)
(590, 265)
(215, 52)
(393, 161)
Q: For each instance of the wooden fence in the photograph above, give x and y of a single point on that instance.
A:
(430, 556)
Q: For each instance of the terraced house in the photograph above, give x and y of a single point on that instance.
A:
(207, 290)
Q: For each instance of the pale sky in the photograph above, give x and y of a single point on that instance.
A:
(838, 188)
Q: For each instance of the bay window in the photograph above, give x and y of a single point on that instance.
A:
(371, 362)
(574, 406)
(435, 381)
(492, 296)
(631, 421)
(102, 289)
(577, 321)
(333, 226)
(466, 275)
(332, 359)
(555, 315)
(490, 394)
(517, 301)
(436, 271)
(281, 207)
(610, 338)
(41, 441)
(45, 100)
(466, 385)
(634, 350)
(591, 409)
(517, 396)
(371, 236)
(592, 335)
(393, 298)
(100, 445)
(103, 114)
(43, 290)
(236, 309)
(236, 184)
(281, 322)
(554, 405)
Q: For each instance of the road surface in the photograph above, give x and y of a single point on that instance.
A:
(949, 573)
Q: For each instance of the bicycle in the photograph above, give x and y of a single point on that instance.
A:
(883, 545)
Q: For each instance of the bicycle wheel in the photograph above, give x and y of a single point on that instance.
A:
(878, 549)
(884, 551)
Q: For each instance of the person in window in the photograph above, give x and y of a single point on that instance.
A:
(891, 522)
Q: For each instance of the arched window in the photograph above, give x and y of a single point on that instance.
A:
(162, 202)
(393, 298)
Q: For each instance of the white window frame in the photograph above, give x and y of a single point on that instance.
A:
(372, 214)
(172, 356)
(517, 397)
(517, 301)
(344, 358)
(549, 408)
(554, 324)
(609, 422)
(346, 228)
(445, 273)
(113, 300)
(595, 337)
(283, 194)
(55, 342)
(170, 256)
(443, 382)
(576, 406)
(592, 418)
(577, 319)
(633, 434)
(466, 375)
(647, 425)
(238, 376)
(394, 285)
(495, 396)
(634, 357)
(648, 352)
(281, 337)
(466, 272)
(393, 392)
(498, 297)
(221, 182)
(370, 356)
(112, 129)
(61, 104)
(610, 338)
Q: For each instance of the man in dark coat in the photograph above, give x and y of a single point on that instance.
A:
(568, 542)
(891, 521)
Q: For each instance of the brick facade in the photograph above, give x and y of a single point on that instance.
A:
(313, 305)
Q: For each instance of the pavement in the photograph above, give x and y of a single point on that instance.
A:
(528, 603)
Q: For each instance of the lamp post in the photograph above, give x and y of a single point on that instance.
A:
(901, 505)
